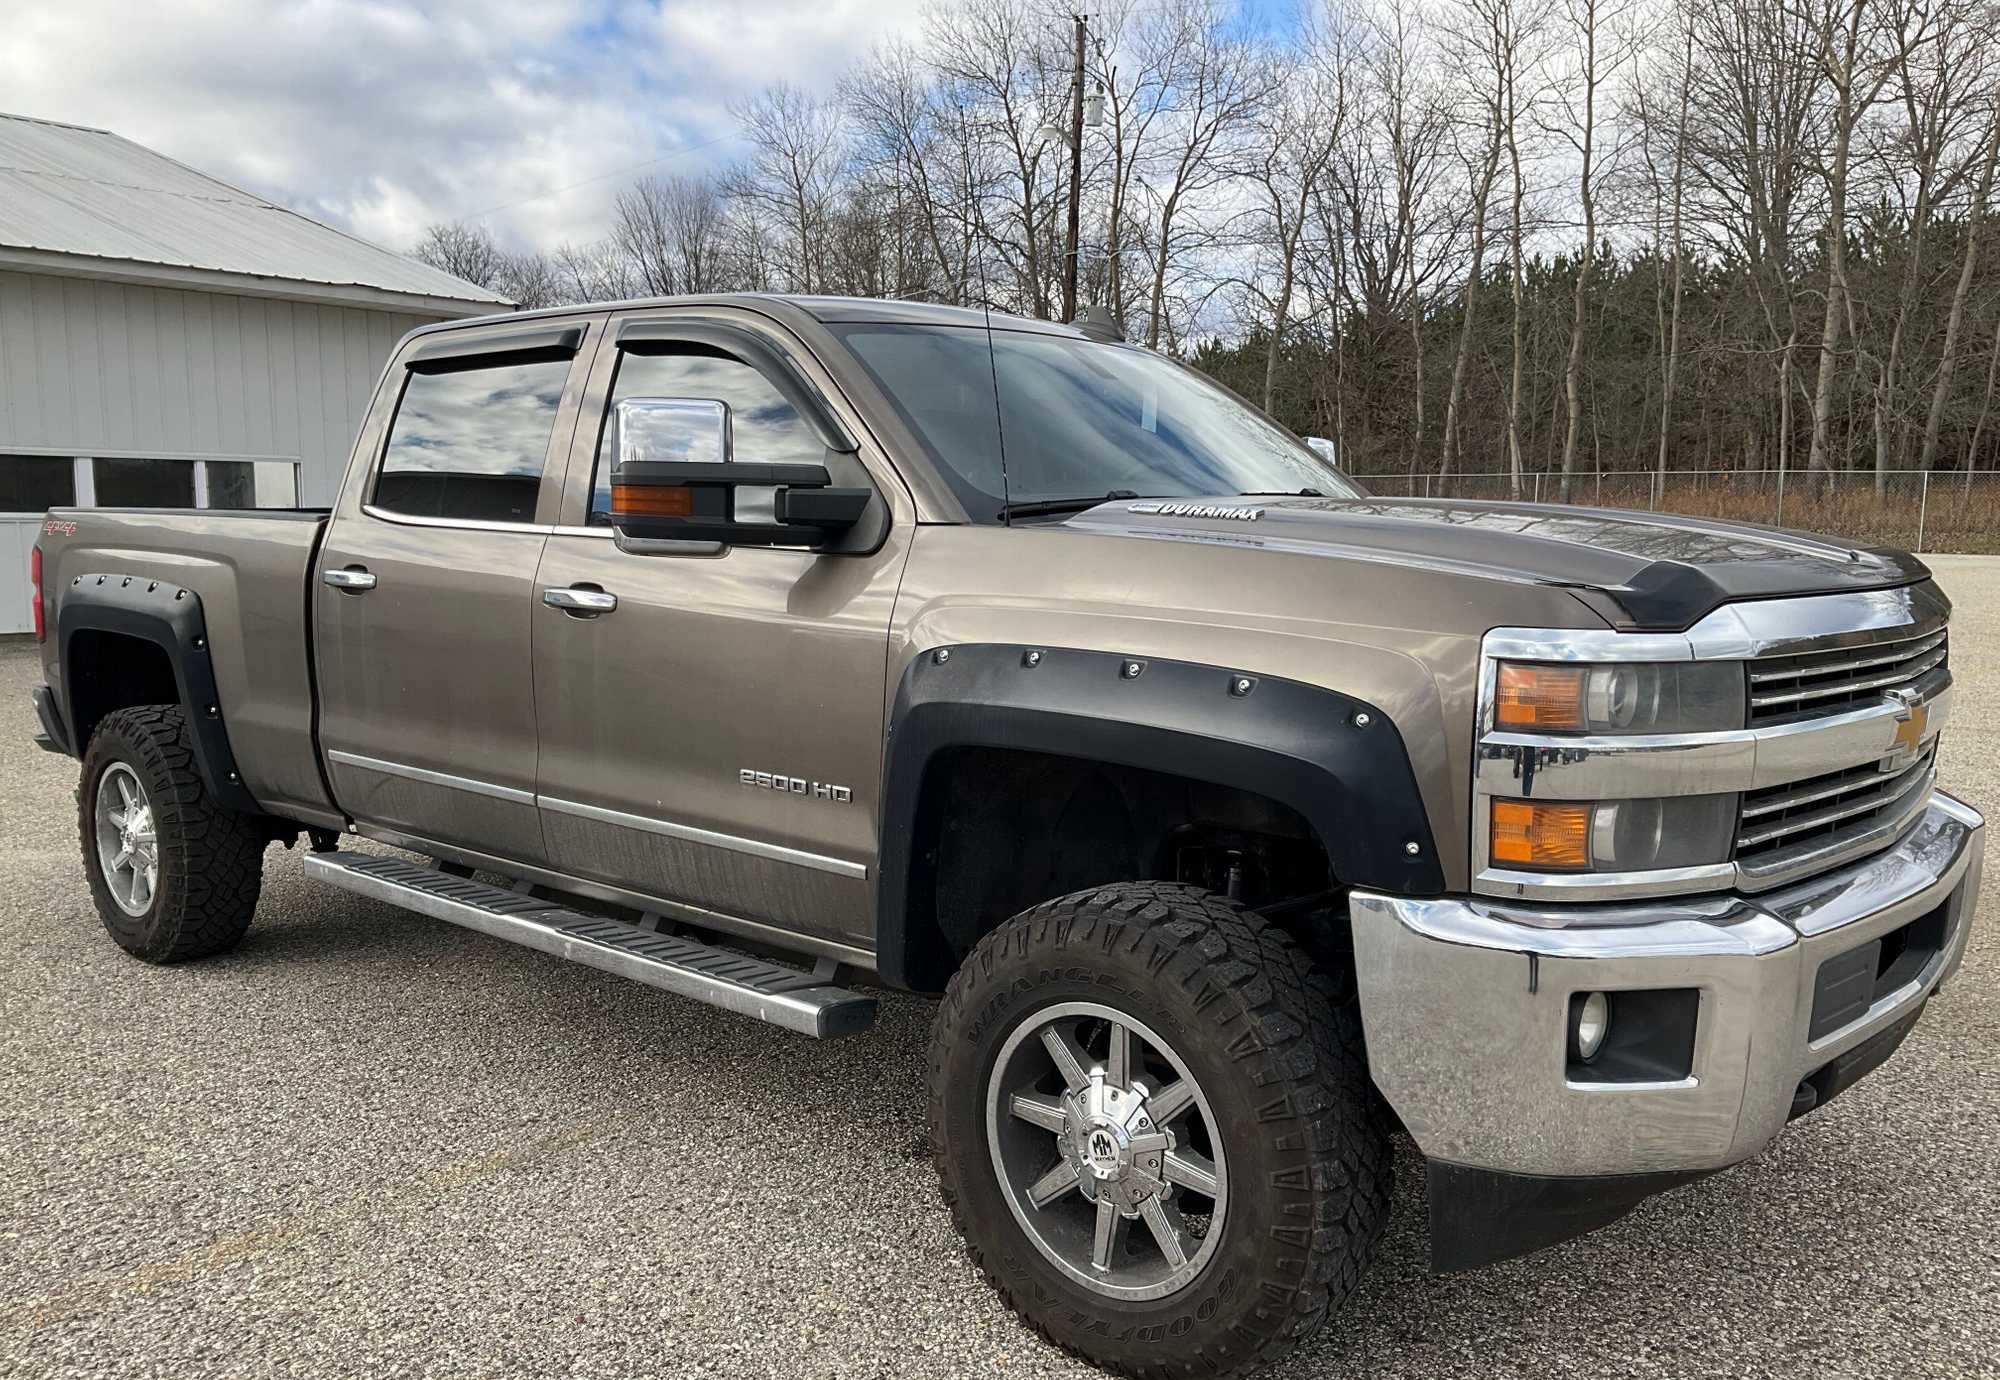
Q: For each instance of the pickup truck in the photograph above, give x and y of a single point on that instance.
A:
(762, 649)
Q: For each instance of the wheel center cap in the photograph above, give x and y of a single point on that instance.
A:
(1104, 1152)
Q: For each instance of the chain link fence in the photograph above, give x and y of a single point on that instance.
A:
(1917, 510)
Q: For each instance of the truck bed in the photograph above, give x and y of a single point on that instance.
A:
(249, 569)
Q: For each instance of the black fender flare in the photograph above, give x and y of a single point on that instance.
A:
(1338, 761)
(170, 617)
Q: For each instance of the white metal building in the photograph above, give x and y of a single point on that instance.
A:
(168, 340)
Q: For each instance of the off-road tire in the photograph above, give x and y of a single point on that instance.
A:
(1276, 1044)
(211, 859)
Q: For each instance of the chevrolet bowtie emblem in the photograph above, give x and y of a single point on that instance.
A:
(1912, 718)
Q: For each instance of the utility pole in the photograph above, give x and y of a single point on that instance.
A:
(1075, 174)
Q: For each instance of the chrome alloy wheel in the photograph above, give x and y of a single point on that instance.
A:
(1095, 1125)
(128, 848)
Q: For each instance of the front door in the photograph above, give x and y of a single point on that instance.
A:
(715, 739)
(424, 595)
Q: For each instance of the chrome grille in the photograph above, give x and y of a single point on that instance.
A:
(1830, 809)
(1815, 683)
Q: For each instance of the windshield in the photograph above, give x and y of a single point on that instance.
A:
(1079, 419)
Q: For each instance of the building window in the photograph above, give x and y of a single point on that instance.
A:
(125, 482)
(470, 445)
(36, 483)
(231, 484)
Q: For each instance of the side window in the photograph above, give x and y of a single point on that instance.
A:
(764, 428)
(470, 444)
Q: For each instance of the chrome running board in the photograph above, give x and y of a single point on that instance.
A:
(752, 987)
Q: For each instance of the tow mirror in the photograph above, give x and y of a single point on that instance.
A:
(673, 479)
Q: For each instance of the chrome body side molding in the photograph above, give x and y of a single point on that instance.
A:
(758, 848)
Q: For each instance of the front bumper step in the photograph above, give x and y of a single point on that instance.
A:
(752, 987)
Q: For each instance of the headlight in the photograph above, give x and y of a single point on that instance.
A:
(1612, 835)
(1642, 697)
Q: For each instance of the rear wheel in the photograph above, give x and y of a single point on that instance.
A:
(1154, 1126)
(174, 875)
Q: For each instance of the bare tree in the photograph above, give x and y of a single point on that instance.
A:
(1296, 133)
(1516, 74)
(1852, 63)
(596, 272)
(464, 251)
(1215, 88)
(906, 138)
(1598, 53)
(1754, 116)
(1134, 67)
(1669, 203)
(1975, 232)
(1482, 43)
(670, 231)
(1937, 47)
(1325, 216)
(528, 280)
(793, 174)
(1415, 125)
(998, 65)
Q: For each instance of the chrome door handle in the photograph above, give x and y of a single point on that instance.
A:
(349, 579)
(579, 600)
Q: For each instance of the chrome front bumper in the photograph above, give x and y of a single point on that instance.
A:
(1465, 1002)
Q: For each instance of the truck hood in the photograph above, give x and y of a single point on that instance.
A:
(1641, 571)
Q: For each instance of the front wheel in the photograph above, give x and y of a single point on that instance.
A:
(1154, 1127)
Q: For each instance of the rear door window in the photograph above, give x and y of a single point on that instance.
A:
(469, 445)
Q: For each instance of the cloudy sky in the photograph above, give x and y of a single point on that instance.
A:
(383, 115)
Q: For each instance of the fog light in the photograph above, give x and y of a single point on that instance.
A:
(1593, 1023)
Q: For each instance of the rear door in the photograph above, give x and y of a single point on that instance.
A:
(715, 739)
(425, 589)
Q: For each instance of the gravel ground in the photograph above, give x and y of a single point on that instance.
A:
(371, 1144)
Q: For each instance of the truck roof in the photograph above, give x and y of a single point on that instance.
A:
(826, 310)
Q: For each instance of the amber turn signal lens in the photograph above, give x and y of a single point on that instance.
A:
(651, 500)
(1539, 697)
(1529, 834)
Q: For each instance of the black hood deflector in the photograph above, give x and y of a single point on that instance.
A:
(1653, 572)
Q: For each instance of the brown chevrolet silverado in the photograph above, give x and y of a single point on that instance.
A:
(757, 648)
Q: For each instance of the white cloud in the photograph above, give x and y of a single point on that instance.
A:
(382, 115)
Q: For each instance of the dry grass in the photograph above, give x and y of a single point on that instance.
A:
(1949, 520)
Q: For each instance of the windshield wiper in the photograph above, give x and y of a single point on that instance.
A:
(1043, 506)
(1281, 493)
